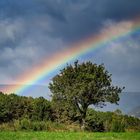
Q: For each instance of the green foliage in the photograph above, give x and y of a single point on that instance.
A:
(81, 85)
(118, 122)
(111, 121)
(41, 109)
(25, 124)
(13, 107)
(5, 113)
(63, 112)
(29, 114)
(132, 124)
(94, 121)
(117, 126)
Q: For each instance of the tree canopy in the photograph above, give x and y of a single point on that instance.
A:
(82, 85)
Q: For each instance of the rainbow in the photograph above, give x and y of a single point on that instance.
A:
(105, 36)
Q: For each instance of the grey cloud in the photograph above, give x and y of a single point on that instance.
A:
(11, 32)
(32, 30)
(29, 48)
(122, 60)
(72, 20)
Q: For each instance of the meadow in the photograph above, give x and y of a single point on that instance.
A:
(68, 136)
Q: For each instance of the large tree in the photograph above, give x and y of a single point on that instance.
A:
(82, 85)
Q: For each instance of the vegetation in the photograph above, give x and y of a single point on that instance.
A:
(38, 114)
(73, 90)
(83, 85)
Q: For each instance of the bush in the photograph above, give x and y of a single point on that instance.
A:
(25, 124)
(94, 121)
(6, 127)
(117, 126)
(38, 126)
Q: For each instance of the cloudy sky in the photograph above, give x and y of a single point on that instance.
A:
(34, 30)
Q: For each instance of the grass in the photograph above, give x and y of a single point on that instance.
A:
(68, 136)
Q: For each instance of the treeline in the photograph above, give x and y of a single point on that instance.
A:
(27, 113)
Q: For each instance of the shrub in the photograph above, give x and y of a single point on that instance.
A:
(117, 126)
(38, 126)
(25, 124)
(7, 127)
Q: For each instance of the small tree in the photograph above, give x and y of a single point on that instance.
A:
(82, 85)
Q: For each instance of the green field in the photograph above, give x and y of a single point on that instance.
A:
(67, 136)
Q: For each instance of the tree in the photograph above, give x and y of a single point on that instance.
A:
(82, 85)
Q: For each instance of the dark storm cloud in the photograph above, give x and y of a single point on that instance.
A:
(78, 19)
(71, 19)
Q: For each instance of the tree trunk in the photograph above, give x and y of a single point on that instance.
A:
(83, 118)
(83, 124)
(82, 111)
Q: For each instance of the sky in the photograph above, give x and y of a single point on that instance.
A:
(32, 31)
